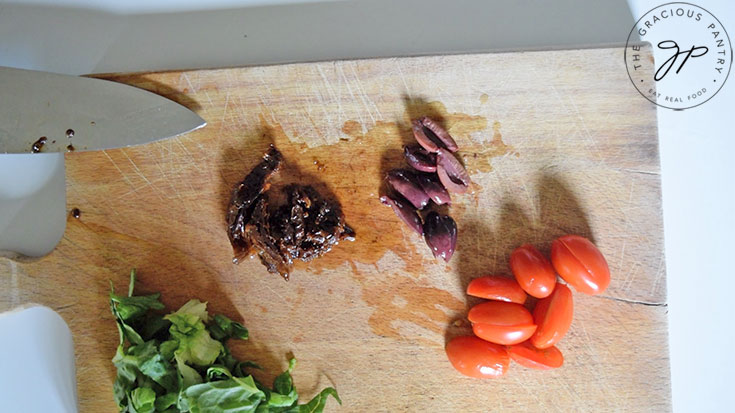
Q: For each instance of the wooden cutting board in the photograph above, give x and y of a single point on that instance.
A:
(557, 142)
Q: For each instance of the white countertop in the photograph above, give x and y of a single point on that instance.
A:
(696, 145)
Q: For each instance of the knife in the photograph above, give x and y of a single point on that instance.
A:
(48, 112)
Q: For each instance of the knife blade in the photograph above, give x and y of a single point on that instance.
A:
(79, 113)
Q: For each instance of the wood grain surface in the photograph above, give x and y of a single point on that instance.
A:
(557, 142)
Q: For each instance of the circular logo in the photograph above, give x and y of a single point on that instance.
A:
(689, 58)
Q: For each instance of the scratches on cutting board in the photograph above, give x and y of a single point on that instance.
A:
(341, 72)
(186, 79)
(330, 92)
(125, 177)
(407, 89)
(181, 142)
(660, 274)
(224, 111)
(363, 95)
(140, 174)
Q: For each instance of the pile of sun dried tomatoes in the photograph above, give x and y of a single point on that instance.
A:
(505, 329)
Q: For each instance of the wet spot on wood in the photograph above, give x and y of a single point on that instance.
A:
(480, 157)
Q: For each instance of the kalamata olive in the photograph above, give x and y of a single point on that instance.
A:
(419, 158)
(434, 189)
(405, 212)
(426, 138)
(451, 172)
(441, 133)
(440, 233)
(406, 183)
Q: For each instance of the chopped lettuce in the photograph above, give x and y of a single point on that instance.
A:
(231, 395)
(179, 363)
(195, 345)
(143, 399)
(223, 328)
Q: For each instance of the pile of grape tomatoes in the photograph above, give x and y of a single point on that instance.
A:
(505, 329)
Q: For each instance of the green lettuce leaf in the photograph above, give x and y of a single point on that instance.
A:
(166, 401)
(284, 395)
(141, 362)
(317, 404)
(127, 376)
(160, 371)
(223, 328)
(132, 307)
(183, 325)
(153, 326)
(196, 346)
(167, 349)
(124, 383)
(218, 373)
(196, 308)
(189, 375)
(143, 400)
(235, 395)
(284, 383)
(236, 367)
